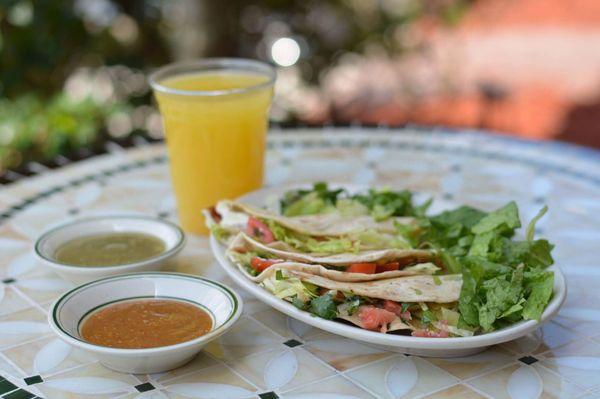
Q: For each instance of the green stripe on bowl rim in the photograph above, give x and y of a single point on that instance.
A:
(230, 294)
(163, 255)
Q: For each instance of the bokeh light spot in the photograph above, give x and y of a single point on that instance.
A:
(285, 51)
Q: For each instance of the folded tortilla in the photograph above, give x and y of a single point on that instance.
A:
(439, 289)
(336, 275)
(235, 217)
(315, 264)
(405, 256)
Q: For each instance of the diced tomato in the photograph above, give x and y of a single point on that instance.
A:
(339, 295)
(392, 306)
(366, 268)
(405, 315)
(396, 308)
(256, 228)
(260, 264)
(388, 267)
(430, 334)
(375, 319)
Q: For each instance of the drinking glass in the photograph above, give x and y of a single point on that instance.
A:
(215, 116)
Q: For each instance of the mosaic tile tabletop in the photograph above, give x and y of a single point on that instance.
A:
(268, 355)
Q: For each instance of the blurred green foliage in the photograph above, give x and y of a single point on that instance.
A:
(44, 43)
(328, 30)
(33, 128)
(41, 44)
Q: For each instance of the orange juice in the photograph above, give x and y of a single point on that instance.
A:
(216, 141)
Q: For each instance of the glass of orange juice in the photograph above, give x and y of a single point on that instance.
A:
(215, 115)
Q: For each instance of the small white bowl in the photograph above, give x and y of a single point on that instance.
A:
(220, 301)
(48, 243)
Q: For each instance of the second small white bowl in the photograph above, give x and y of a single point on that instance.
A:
(48, 243)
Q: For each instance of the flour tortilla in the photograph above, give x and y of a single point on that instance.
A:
(315, 264)
(404, 256)
(235, 216)
(336, 275)
(399, 289)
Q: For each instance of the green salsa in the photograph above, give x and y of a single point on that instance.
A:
(109, 249)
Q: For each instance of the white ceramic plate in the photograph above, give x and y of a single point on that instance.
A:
(437, 347)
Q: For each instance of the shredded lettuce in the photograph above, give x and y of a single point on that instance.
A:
(220, 233)
(330, 246)
(351, 208)
(500, 295)
(372, 239)
(409, 233)
(245, 259)
(480, 245)
(423, 268)
(503, 219)
(529, 233)
(469, 300)
(288, 288)
(450, 316)
(380, 204)
(452, 329)
(513, 310)
(463, 216)
(365, 240)
(309, 204)
(540, 286)
(428, 317)
(448, 321)
(386, 203)
(305, 243)
(504, 280)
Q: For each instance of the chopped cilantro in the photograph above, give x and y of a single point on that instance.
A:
(428, 317)
(353, 305)
(297, 302)
(324, 306)
(279, 275)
